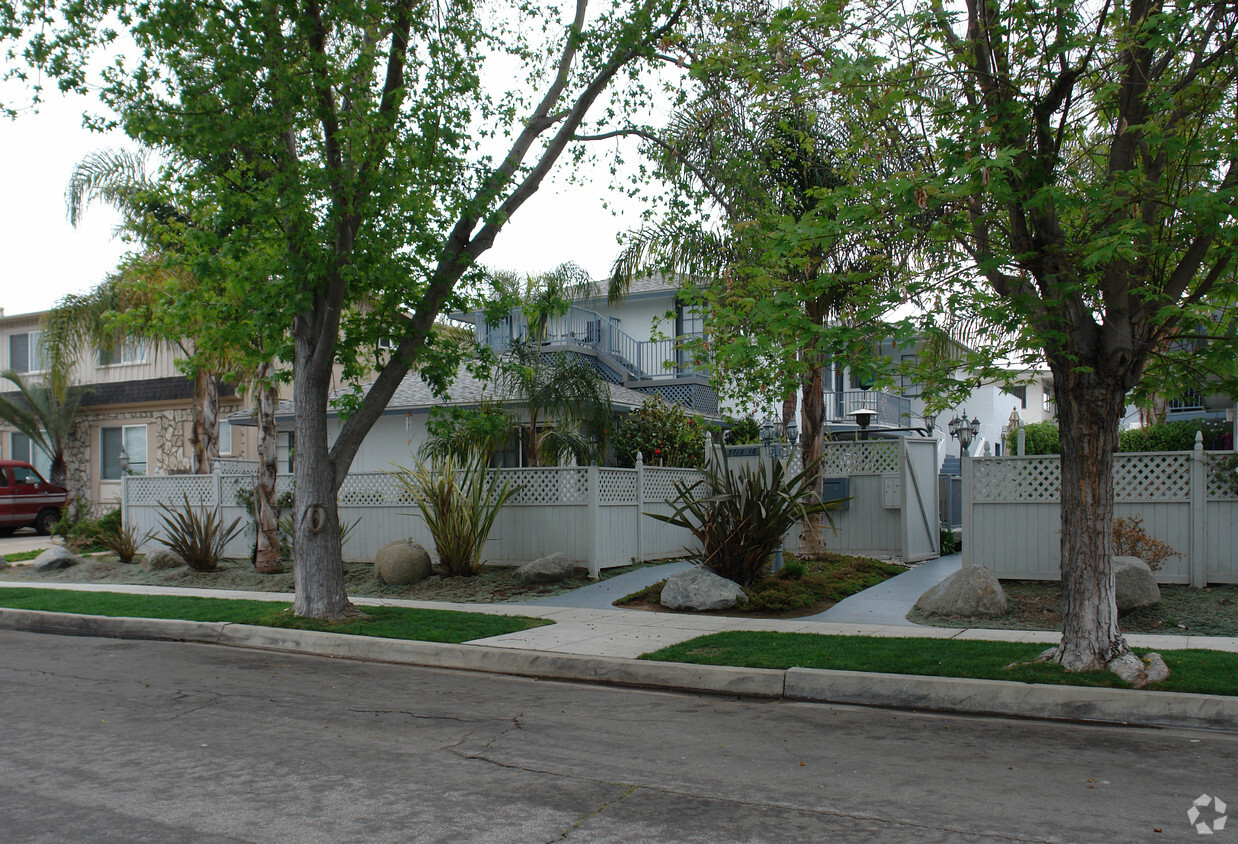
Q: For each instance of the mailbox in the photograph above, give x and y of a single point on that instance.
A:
(834, 489)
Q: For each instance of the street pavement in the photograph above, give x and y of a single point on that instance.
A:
(121, 741)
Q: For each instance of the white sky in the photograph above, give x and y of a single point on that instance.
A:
(44, 258)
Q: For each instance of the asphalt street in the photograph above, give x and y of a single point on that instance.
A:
(127, 741)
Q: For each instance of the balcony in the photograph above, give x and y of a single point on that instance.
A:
(892, 411)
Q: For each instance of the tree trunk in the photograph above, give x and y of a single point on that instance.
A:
(59, 473)
(1089, 411)
(318, 566)
(205, 437)
(266, 517)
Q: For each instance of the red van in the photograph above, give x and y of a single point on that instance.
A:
(27, 499)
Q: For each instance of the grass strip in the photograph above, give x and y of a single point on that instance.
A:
(22, 556)
(389, 622)
(1197, 671)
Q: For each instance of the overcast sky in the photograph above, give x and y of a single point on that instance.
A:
(44, 258)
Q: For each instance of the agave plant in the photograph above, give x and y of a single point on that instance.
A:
(741, 517)
(122, 540)
(459, 499)
(197, 537)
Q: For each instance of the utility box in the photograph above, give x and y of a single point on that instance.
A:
(837, 489)
(891, 492)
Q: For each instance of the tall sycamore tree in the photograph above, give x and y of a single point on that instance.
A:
(351, 153)
(1082, 173)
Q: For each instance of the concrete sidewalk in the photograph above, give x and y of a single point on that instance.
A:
(616, 632)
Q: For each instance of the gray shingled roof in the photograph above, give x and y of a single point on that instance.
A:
(414, 395)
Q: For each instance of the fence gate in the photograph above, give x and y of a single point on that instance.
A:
(921, 534)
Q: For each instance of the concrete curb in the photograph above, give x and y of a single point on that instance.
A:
(900, 691)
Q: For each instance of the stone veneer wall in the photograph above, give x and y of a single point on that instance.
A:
(165, 444)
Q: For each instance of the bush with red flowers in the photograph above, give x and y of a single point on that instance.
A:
(664, 433)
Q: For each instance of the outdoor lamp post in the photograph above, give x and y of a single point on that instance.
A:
(964, 431)
(773, 436)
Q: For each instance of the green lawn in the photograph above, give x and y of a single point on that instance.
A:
(1207, 672)
(390, 622)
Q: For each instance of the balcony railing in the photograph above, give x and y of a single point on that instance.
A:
(640, 359)
(892, 411)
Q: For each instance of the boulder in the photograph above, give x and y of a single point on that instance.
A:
(1139, 672)
(698, 588)
(1135, 585)
(55, 558)
(972, 590)
(546, 570)
(162, 558)
(402, 563)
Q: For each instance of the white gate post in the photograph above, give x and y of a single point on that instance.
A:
(1199, 507)
(593, 513)
(219, 493)
(640, 505)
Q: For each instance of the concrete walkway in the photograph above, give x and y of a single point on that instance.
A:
(615, 632)
(888, 603)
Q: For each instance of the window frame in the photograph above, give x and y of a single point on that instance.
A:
(124, 444)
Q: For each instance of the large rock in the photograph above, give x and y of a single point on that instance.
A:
(162, 558)
(402, 563)
(546, 570)
(972, 590)
(698, 588)
(55, 558)
(1135, 585)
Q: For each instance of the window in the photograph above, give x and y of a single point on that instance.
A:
(129, 351)
(284, 447)
(906, 380)
(225, 437)
(24, 352)
(689, 322)
(22, 475)
(111, 440)
(1019, 393)
(22, 448)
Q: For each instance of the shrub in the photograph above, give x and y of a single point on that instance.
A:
(1178, 435)
(950, 542)
(741, 517)
(664, 434)
(459, 500)
(743, 432)
(1040, 438)
(122, 540)
(1131, 540)
(793, 570)
(198, 538)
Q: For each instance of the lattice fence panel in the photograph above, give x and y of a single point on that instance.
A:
(1152, 477)
(234, 466)
(660, 482)
(362, 489)
(549, 485)
(616, 486)
(1004, 479)
(870, 457)
(151, 490)
(1222, 474)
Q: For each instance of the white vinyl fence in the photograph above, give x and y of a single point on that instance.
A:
(593, 515)
(1189, 500)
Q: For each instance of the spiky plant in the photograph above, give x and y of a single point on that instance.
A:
(198, 537)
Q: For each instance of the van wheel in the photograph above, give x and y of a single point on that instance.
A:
(45, 521)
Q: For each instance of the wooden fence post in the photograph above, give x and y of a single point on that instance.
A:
(594, 515)
(640, 505)
(1199, 509)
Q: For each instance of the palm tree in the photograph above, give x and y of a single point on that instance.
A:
(566, 401)
(45, 413)
(764, 168)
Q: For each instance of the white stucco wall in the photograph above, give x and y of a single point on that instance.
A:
(394, 438)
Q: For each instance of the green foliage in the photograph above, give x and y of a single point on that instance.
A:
(793, 570)
(197, 537)
(45, 412)
(950, 542)
(664, 434)
(466, 431)
(741, 517)
(79, 530)
(743, 432)
(459, 500)
(1177, 435)
(121, 539)
(1039, 438)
